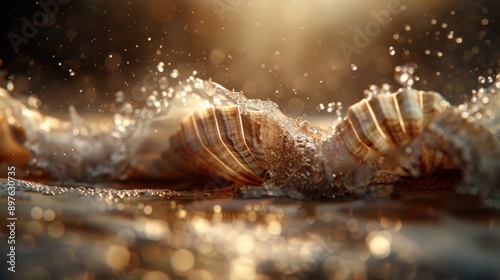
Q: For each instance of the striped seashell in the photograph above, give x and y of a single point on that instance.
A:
(244, 146)
(220, 140)
(377, 127)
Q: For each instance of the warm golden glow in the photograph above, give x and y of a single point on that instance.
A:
(379, 244)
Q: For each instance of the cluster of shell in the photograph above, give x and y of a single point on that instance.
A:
(383, 138)
(373, 144)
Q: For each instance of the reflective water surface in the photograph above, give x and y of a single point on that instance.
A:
(106, 233)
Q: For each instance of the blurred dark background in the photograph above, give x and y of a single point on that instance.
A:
(84, 51)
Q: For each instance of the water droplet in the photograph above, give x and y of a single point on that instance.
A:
(34, 101)
(71, 73)
(10, 86)
(150, 101)
(354, 67)
(127, 108)
(392, 51)
(385, 89)
(119, 96)
(174, 74)
(404, 74)
(372, 91)
(160, 67)
(481, 79)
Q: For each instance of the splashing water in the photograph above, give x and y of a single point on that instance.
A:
(83, 150)
(404, 75)
(132, 146)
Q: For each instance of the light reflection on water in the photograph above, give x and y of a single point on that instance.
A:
(106, 233)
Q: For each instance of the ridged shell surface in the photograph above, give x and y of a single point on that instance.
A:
(224, 141)
(377, 127)
(241, 145)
